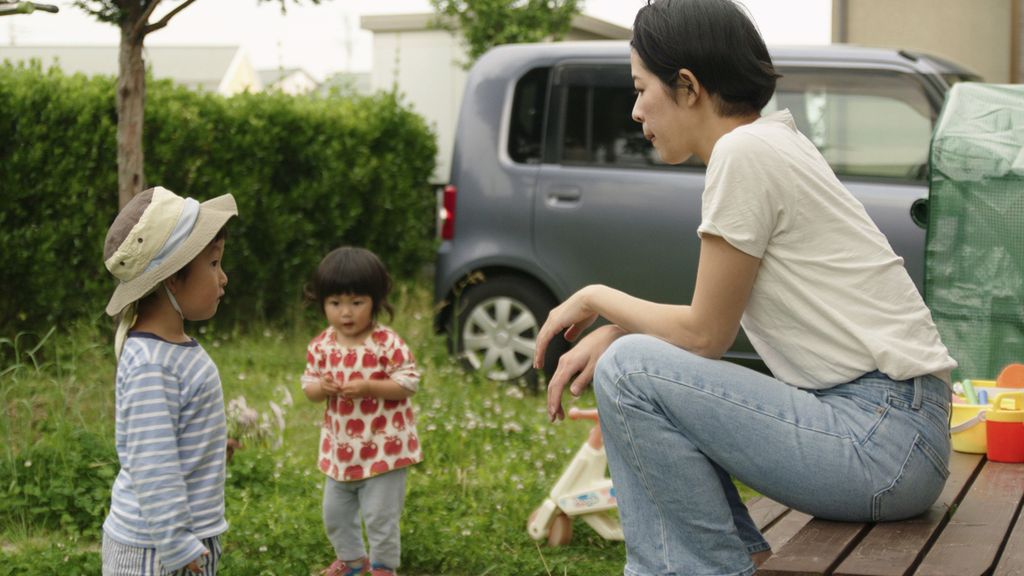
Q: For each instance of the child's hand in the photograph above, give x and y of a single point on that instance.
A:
(330, 386)
(194, 566)
(355, 389)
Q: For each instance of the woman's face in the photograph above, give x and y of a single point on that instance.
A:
(666, 120)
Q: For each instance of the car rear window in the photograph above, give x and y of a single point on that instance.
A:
(527, 123)
(866, 123)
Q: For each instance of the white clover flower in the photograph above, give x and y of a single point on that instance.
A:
(285, 394)
(28, 463)
(241, 375)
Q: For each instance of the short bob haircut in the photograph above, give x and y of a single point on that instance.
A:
(350, 270)
(714, 39)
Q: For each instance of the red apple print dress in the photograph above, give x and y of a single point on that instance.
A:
(364, 437)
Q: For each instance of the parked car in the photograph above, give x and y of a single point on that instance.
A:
(554, 187)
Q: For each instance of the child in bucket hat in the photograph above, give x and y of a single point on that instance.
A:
(167, 503)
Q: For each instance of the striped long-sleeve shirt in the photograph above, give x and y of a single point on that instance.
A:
(171, 439)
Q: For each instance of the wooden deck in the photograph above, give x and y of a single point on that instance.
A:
(974, 529)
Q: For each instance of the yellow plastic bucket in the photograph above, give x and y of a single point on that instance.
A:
(967, 428)
(967, 424)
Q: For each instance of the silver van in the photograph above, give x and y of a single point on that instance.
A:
(554, 187)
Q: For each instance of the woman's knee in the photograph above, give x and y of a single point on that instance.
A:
(620, 358)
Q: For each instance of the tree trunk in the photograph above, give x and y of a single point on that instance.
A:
(131, 100)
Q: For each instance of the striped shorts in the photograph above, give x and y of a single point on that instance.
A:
(124, 560)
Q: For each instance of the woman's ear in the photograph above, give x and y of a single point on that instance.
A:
(689, 84)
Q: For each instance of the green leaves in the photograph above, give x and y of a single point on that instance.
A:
(487, 23)
(309, 174)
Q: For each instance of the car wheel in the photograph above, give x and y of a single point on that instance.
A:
(496, 328)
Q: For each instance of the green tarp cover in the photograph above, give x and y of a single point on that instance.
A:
(974, 253)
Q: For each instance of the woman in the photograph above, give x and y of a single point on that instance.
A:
(854, 423)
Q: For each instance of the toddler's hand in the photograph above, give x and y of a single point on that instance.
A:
(330, 385)
(354, 389)
(194, 566)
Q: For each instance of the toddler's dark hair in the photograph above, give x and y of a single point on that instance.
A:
(351, 270)
(714, 39)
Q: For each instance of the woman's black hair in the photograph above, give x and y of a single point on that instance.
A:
(351, 270)
(714, 39)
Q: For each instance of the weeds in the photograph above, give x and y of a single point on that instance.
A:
(490, 458)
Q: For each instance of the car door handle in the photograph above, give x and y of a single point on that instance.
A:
(564, 196)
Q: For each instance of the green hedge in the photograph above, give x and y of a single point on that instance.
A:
(309, 174)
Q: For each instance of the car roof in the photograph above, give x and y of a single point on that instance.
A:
(831, 53)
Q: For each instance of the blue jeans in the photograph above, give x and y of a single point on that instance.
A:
(677, 425)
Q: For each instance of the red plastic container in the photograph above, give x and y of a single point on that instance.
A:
(1004, 428)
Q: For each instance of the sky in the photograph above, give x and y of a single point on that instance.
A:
(326, 38)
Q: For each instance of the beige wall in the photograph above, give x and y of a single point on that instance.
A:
(426, 64)
(975, 33)
(427, 67)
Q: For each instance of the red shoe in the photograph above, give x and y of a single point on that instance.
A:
(342, 568)
(381, 570)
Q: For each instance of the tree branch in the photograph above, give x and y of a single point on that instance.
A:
(163, 21)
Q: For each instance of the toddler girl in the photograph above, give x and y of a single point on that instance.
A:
(367, 375)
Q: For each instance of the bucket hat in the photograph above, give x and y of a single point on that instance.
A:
(156, 234)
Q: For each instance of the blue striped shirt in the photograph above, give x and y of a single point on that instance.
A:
(171, 438)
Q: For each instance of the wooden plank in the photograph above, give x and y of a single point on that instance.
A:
(765, 511)
(1012, 561)
(893, 548)
(816, 549)
(785, 528)
(969, 544)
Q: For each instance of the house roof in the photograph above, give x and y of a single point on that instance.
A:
(270, 76)
(424, 21)
(194, 66)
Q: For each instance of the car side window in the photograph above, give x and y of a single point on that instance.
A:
(526, 131)
(865, 123)
(593, 104)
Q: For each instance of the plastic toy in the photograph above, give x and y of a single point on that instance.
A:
(1012, 376)
(582, 490)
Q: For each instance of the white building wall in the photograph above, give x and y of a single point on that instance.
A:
(427, 67)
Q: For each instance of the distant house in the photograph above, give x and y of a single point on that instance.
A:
(425, 64)
(292, 81)
(225, 70)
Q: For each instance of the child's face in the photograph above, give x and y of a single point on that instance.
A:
(351, 315)
(200, 292)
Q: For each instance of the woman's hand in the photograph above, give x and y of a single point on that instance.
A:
(574, 316)
(578, 361)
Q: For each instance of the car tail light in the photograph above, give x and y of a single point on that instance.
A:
(446, 212)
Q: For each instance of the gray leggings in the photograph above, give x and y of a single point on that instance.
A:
(379, 500)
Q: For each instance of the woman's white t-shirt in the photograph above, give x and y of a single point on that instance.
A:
(832, 300)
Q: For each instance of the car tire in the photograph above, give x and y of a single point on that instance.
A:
(495, 329)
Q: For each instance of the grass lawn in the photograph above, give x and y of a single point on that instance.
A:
(490, 458)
